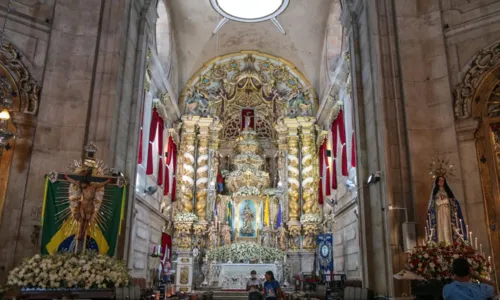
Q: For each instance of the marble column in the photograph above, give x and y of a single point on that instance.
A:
(186, 161)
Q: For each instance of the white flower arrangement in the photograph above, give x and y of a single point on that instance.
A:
(245, 252)
(247, 191)
(311, 218)
(186, 217)
(67, 271)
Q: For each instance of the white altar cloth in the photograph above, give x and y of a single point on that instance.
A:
(235, 276)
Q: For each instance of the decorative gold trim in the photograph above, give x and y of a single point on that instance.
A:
(236, 221)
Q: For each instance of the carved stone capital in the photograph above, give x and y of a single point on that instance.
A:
(466, 128)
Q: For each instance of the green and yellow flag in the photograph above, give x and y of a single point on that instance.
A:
(60, 227)
(230, 214)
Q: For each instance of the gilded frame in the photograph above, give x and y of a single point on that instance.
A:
(237, 218)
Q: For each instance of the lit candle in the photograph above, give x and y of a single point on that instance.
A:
(481, 249)
(476, 244)
(427, 222)
(460, 228)
(489, 260)
(470, 237)
(284, 260)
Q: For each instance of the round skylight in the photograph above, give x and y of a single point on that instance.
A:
(249, 10)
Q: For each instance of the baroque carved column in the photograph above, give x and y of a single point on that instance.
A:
(309, 167)
(213, 156)
(282, 131)
(186, 159)
(202, 168)
(293, 169)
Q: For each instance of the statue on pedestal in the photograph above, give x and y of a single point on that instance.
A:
(267, 240)
(445, 221)
(282, 235)
(226, 234)
(213, 235)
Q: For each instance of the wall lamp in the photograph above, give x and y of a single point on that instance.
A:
(374, 178)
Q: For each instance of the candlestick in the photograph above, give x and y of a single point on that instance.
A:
(456, 219)
(481, 249)
(470, 238)
(460, 228)
(489, 260)
(476, 243)
(284, 260)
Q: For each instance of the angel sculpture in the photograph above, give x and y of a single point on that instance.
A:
(85, 199)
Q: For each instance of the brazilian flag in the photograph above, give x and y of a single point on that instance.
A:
(60, 227)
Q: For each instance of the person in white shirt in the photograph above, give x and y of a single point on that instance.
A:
(254, 286)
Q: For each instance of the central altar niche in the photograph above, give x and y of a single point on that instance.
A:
(247, 183)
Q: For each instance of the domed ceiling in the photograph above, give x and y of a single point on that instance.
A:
(304, 21)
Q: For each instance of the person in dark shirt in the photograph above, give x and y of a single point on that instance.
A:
(462, 288)
(272, 289)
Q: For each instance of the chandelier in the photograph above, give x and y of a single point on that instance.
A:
(5, 98)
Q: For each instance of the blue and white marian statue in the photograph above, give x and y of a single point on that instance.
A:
(445, 222)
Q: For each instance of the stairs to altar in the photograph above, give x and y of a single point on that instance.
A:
(230, 295)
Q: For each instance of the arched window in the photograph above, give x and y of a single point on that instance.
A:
(164, 38)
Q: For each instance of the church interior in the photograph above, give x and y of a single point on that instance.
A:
(164, 149)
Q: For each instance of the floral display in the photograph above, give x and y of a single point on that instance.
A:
(245, 252)
(186, 217)
(247, 191)
(66, 271)
(434, 260)
(311, 218)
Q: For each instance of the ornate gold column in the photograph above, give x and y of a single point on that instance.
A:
(202, 168)
(213, 153)
(309, 170)
(186, 159)
(293, 169)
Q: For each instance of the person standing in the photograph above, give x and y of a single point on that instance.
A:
(462, 288)
(254, 286)
(272, 289)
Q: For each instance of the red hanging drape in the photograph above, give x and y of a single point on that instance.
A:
(174, 182)
(334, 174)
(152, 136)
(353, 152)
(320, 187)
(170, 152)
(328, 190)
(334, 138)
(139, 155)
(161, 149)
(341, 128)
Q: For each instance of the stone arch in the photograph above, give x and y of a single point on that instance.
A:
(333, 43)
(477, 109)
(477, 69)
(163, 37)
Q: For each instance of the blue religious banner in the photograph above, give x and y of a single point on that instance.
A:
(325, 254)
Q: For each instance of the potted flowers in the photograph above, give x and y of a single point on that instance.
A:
(69, 271)
(433, 263)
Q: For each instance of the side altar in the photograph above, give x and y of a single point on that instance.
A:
(247, 174)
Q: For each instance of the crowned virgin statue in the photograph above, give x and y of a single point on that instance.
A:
(445, 220)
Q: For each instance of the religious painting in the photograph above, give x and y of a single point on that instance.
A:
(248, 217)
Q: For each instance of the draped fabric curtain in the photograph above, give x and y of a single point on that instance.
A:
(328, 190)
(339, 134)
(152, 136)
(353, 151)
(320, 187)
(170, 152)
(174, 182)
(161, 148)
(341, 128)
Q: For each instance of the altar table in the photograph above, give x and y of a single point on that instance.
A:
(235, 276)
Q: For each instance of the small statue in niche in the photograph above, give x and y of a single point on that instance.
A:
(197, 103)
(282, 235)
(213, 235)
(226, 234)
(267, 237)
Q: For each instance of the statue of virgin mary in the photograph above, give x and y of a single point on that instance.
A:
(445, 219)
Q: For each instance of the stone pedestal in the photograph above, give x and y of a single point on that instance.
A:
(306, 261)
(184, 272)
(294, 263)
